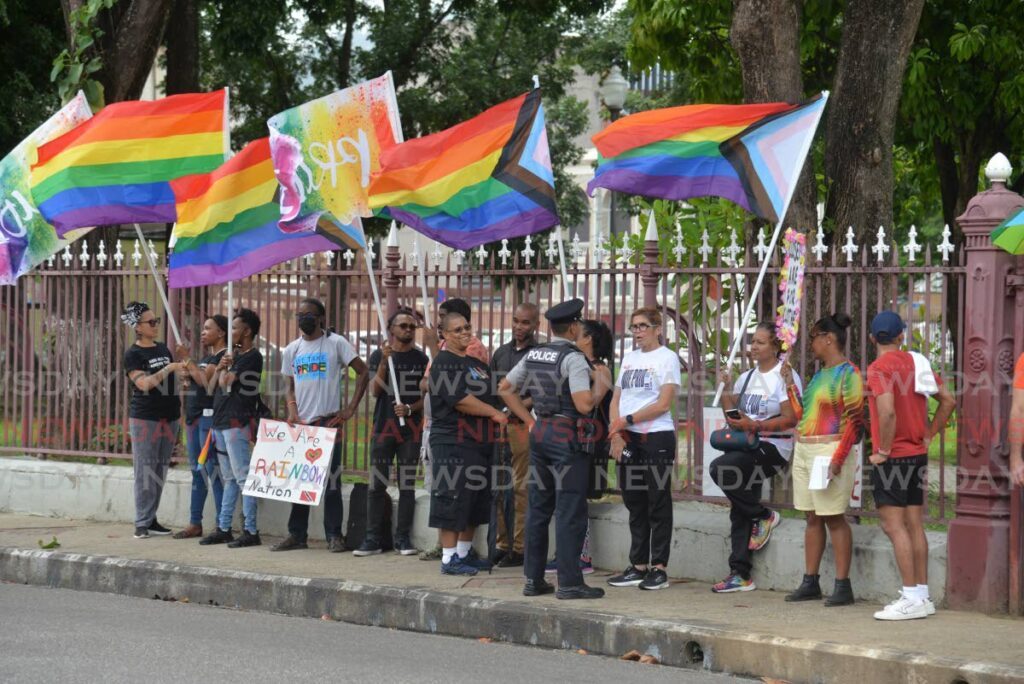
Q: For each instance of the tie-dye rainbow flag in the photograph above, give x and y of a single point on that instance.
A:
(749, 154)
(116, 167)
(483, 180)
(227, 223)
(324, 153)
(26, 240)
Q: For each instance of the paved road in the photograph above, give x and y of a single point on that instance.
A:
(56, 635)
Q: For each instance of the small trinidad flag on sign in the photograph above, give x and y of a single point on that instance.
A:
(307, 496)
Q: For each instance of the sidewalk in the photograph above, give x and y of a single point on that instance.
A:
(755, 634)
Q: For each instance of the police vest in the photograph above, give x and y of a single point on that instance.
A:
(546, 385)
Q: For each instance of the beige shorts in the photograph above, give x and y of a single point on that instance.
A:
(835, 499)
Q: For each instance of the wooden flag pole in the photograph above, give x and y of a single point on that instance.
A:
(159, 285)
(380, 311)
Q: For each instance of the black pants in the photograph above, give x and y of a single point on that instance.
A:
(645, 478)
(298, 520)
(405, 450)
(740, 475)
(556, 484)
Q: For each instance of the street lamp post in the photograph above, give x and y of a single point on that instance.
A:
(613, 91)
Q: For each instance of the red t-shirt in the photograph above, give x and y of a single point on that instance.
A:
(893, 373)
(1018, 373)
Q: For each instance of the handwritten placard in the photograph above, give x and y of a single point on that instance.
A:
(290, 462)
(791, 288)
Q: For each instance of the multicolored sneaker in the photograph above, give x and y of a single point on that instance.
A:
(733, 583)
(762, 531)
(552, 567)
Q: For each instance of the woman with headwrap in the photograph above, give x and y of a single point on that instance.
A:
(154, 412)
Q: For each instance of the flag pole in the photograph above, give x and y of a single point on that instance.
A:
(561, 262)
(421, 266)
(749, 310)
(159, 285)
(380, 311)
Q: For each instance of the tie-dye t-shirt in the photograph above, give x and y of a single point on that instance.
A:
(833, 404)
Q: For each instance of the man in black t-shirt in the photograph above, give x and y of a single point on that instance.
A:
(391, 440)
(235, 401)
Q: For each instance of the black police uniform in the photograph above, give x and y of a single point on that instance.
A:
(555, 448)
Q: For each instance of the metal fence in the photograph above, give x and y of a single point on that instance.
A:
(64, 392)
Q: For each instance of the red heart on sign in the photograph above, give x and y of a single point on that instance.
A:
(313, 454)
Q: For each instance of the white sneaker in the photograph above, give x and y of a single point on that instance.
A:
(903, 609)
(929, 606)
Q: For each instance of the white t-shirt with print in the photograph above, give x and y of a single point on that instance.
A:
(318, 367)
(641, 378)
(762, 400)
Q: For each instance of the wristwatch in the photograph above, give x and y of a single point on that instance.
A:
(629, 419)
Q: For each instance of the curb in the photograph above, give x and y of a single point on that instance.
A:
(687, 645)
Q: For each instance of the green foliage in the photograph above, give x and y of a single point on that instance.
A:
(30, 34)
(74, 66)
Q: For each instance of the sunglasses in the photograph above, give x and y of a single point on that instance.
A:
(153, 322)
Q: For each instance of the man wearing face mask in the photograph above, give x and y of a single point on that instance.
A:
(315, 365)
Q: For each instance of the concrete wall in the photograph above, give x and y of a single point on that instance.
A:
(700, 545)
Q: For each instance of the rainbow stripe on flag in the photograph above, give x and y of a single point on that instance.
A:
(483, 180)
(116, 167)
(1010, 233)
(749, 154)
(227, 222)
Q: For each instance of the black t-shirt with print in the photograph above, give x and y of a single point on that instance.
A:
(197, 399)
(161, 402)
(452, 379)
(238, 407)
(409, 369)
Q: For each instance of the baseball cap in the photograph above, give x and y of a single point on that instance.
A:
(887, 326)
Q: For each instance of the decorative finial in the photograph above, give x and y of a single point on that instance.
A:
(998, 169)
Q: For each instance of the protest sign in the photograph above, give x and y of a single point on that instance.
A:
(290, 462)
(791, 288)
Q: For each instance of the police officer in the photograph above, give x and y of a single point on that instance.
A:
(557, 377)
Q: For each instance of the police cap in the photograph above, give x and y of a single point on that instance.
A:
(566, 312)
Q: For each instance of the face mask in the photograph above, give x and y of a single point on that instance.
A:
(308, 324)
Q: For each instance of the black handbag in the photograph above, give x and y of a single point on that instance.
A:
(731, 439)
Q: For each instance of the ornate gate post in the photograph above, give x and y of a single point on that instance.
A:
(978, 565)
(647, 275)
(392, 257)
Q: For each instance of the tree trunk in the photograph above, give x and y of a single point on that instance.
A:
(861, 118)
(345, 58)
(183, 48)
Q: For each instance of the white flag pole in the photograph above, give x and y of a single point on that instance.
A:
(358, 223)
(421, 267)
(561, 262)
(749, 310)
(159, 285)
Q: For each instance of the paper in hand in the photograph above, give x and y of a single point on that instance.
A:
(820, 472)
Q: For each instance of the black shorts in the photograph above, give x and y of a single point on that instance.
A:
(900, 481)
(461, 494)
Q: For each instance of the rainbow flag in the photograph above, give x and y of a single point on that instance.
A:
(1010, 233)
(483, 180)
(116, 167)
(227, 222)
(749, 154)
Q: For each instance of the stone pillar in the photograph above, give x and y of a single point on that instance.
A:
(647, 275)
(978, 572)
(392, 259)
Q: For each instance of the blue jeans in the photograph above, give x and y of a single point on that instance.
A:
(202, 476)
(234, 469)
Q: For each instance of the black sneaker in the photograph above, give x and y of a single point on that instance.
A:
(511, 560)
(247, 538)
(336, 545)
(405, 547)
(630, 577)
(218, 536)
(289, 543)
(141, 533)
(656, 579)
(537, 588)
(367, 548)
(581, 591)
(158, 529)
